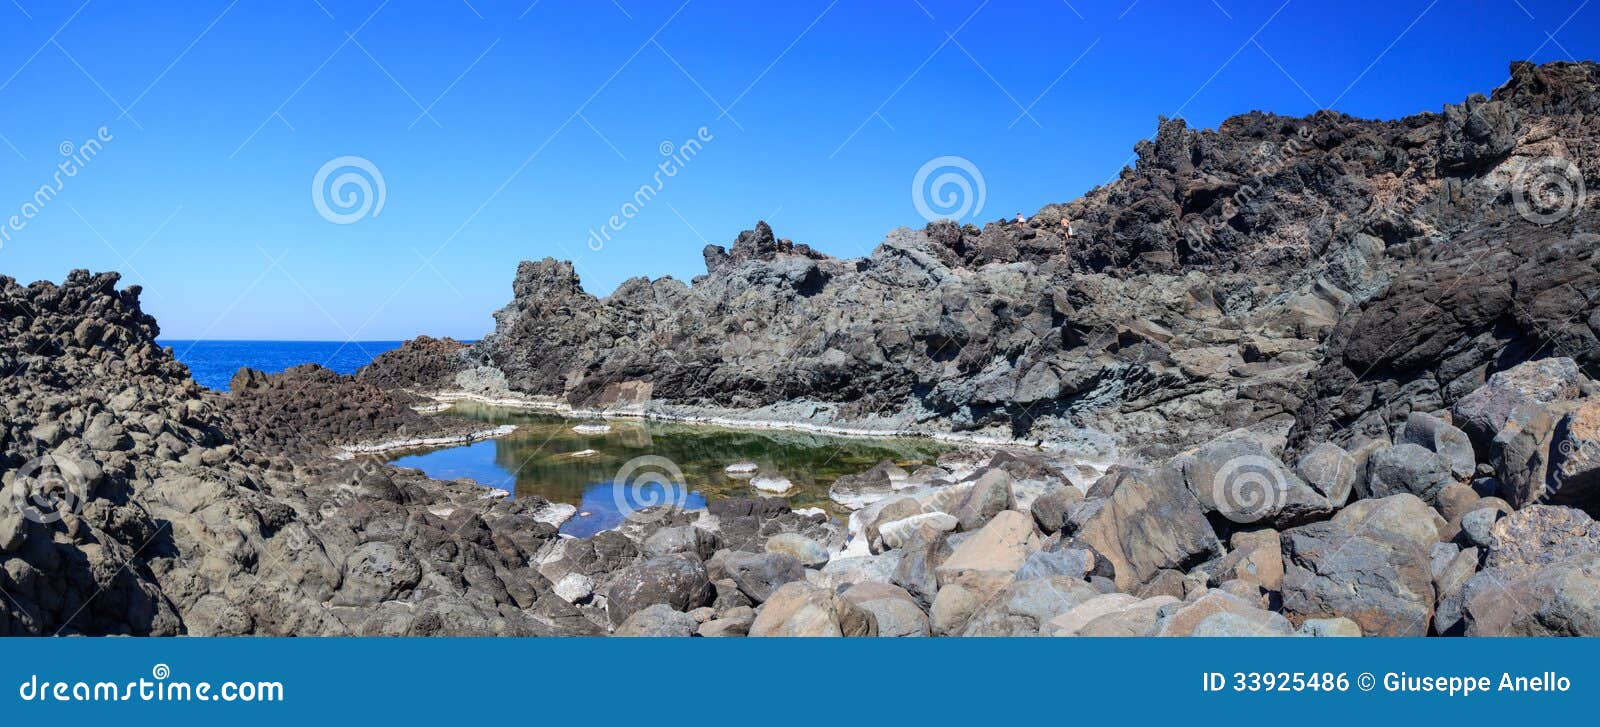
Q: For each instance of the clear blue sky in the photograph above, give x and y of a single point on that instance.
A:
(543, 119)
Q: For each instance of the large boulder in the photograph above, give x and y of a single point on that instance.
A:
(1024, 606)
(1050, 510)
(809, 552)
(681, 539)
(1522, 452)
(679, 580)
(1540, 535)
(1238, 477)
(896, 612)
(987, 561)
(1408, 468)
(801, 609)
(1370, 563)
(1255, 556)
(1485, 411)
(1330, 470)
(658, 620)
(1142, 525)
(758, 575)
(867, 521)
(1220, 614)
(899, 533)
(1438, 436)
(1574, 478)
(990, 494)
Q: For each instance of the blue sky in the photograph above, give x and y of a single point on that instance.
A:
(506, 131)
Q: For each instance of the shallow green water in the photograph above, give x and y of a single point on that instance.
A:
(539, 458)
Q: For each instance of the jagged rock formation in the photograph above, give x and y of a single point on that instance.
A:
(136, 502)
(1420, 291)
(422, 363)
(309, 409)
(1274, 273)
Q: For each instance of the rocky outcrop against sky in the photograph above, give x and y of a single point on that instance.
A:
(138, 503)
(1327, 274)
(1351, 365)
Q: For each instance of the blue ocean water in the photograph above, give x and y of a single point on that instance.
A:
(213, 363)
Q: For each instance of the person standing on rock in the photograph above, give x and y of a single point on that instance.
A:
(1021, 220)
(1066, 227)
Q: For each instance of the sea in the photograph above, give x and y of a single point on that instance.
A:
(213, 363)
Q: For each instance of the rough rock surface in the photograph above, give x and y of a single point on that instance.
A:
(1272, 273)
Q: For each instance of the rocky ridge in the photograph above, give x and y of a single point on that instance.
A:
(1352, 428)
(1276, 273)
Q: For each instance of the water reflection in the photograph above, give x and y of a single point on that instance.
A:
(547, 458)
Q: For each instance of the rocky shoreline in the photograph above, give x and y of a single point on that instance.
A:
(1321, 377)
(1087, 445)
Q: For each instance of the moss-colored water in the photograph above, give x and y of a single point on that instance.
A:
(545, 457)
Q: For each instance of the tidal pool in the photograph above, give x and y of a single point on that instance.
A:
(637, 462)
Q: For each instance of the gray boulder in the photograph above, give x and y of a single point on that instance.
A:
(678, 581)
(1142, 526)
(758, 575)
(896, 612)
(1330, 471)
(1050, 510)
(681, 539)
(1408, 468)
(1024, 607)
(1370, 563)
(1485, 411)
(801, 609)
(809, 552)
(1438, 436)
(1575, 459)
(990, 494)
(1238, 477)
(658, 620)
